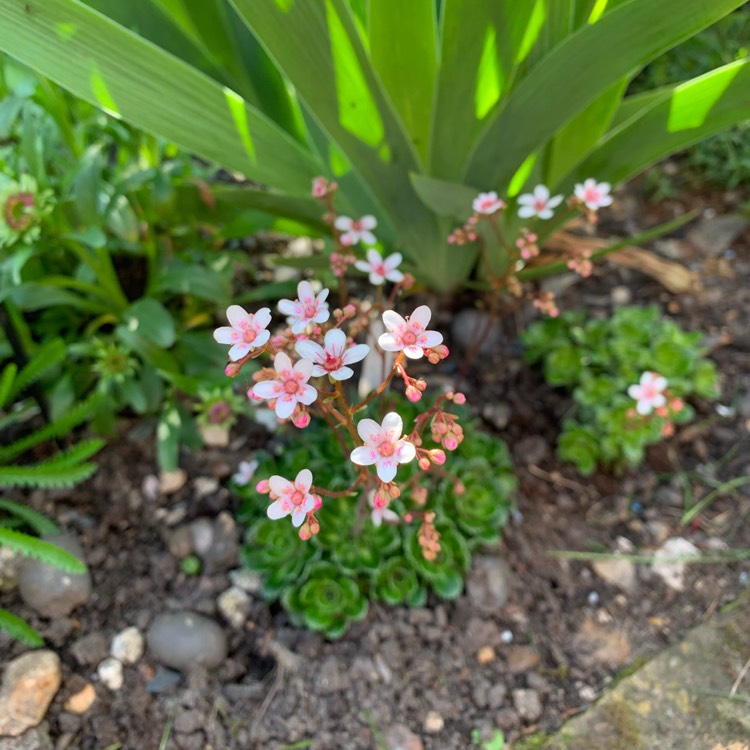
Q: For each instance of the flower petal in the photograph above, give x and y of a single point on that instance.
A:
(374, 257)
(363, 456)
(393, 425)
(286, 306)
(310, 350)
(280, 486)
(298, 516)
(236, 315)
(376, 279)
(304, 367)
(541, 193)
(368, 221)
(362, 265)
(223, 335)
(306, 395)
(405, 451)
(386, 469)
(238, 351)
(430, 339)
(285, 405)
(526, 212)
(261, 339)
(421, 316)
(267, 389)
(303, 480)
(387, 342)
(282, 362)
(368, 430)
(355, 353)
(368, 237)
(278, 509)
(305, 290)
(413, 352)
(343, 223)
(343, 373)
(335, 341)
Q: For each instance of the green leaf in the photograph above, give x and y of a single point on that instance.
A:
(594, 58)
(445, 198)
(41, 475)
(675, 119)
(168, 438)
(51, 554)
(153, 90)
(6, 382)
(19, 629)
(151, 320)
(38, 522)
(47, 357)
(404, 55)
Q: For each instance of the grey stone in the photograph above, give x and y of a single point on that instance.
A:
(202, 531)
(50, 591)
(185, 639)
(531, 450)
(10, 561)
(180, 542)
(496, 696)
(188, 720)
(224, 550)
(36, 738)
(247, 580)
(90, 650)
(497, 414)
(714, 235)
(127, 645)
(488, 584)
(527, 704)
(468, 325)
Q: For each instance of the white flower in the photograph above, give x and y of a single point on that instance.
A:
(356, 230)
(293, 497)
(649, 393)
(409, 336)
(538, 203)
(381, 270)
(594, 194)
(378, 515)
(306, 309)
(290, 386)
(383, 446)
(245, 472)
(332, 358)
(487, 203)
(246, 331)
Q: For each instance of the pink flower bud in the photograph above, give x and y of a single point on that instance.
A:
(459, 398)
(232, 369)
(424, 463)
(662, 411)
(350, 311)
(252, 396)
(304, 532)
(413, 394)
(380, 500)
(676, 404)
(277, 341)
(437, 456)
(419, 495)
(313, 524)
(421, 384)
(263, 487)
(458, 488)
(408, 517)
(301, 419)
(318, 503)
(450, 443)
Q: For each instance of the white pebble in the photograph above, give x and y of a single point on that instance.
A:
(128, 645)
(593, 598)
(506, 636)
(234, 605)
(111, 674)
(433, 722)
(744, 577)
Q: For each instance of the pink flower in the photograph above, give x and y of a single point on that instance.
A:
(290, 386)
(383, 446)
(246, 331)
(381, 270)
(356, 230)
(538, 203)
(306, 309)
(380, 513)
(594, 194)
(293, 497)
(244, 472)
(332, 358)
(409, 336)
(487, 203)
(319, 187)
(649, 393)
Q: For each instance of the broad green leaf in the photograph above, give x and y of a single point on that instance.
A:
(317, 45)
(692, 111)
(190, 278)
(577, 71)
(73, 45)
(445, 198)
(403, 51)
(150, 319)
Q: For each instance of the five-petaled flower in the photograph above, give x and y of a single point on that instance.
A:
(539, 203)
(356, 230)
(487, 203)
(383, 446)
(594, 194)
(409, 336)
(379, 513)
(381, 270)
(245, 472)
(246, 331)
(332, 358)
(290, 386)
(293, 498)
(307, 308)
(649, 392)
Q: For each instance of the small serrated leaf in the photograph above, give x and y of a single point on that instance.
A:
(48, 553)
(19, 629)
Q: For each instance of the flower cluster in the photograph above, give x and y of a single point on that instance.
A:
(313, 356)
(652, 397)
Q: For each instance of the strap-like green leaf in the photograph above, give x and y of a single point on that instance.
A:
(123, 73)
(6, 382)
(49, 355)
(19, 629)
(40, 475)
(30, 546)
(403, 50)
(691, 111)
(578, 71)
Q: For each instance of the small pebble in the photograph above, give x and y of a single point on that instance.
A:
(506, 636)
(744, 578)
(128, 645)
(171, 481)
(486, 655)
(724, 411)
(80, 702)
(433, 722)
(111, 674)
(247, 580)
(593, 598)
(234, 605)
(185, 639)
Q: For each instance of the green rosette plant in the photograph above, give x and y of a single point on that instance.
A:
(630, 375)
(326, 600)
(396, 582)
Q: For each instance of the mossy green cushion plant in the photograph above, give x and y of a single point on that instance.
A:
(327, 582)
(605, 364)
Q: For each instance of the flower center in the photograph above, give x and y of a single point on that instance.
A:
(540, 205)
(357, 226)
(249, 335)
(332, 363)
(386, 449)
(291, 386)
(298, 497)
(409, 338)
(17, 210)
(310, 309)
(592, 195)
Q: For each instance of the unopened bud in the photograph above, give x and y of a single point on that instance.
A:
(413, 394)
(437, 456)
(350, 311)
(419, 495)
(393, 491)
(380, 500)
(318, 504)
(458, 488)
(301, 419)
(676, 404)
(304, 532)
(421, 384)
(424, 463)
(459, 398)
(313, 524)
(407, 282)
(450, 443)
(263, 487)
(232, 370)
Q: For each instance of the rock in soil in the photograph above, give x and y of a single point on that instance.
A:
(128, 645)
(673, 573)
(90, 650)
(50, 591)
(527, 704)
(399, 737)
(80, 702)
(620, 573)
(186, 639)
(488, 584)
(234, 605)
(29, 685)
(32, 739)
(111, 674)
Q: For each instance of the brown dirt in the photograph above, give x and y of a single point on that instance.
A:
(282, 686)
